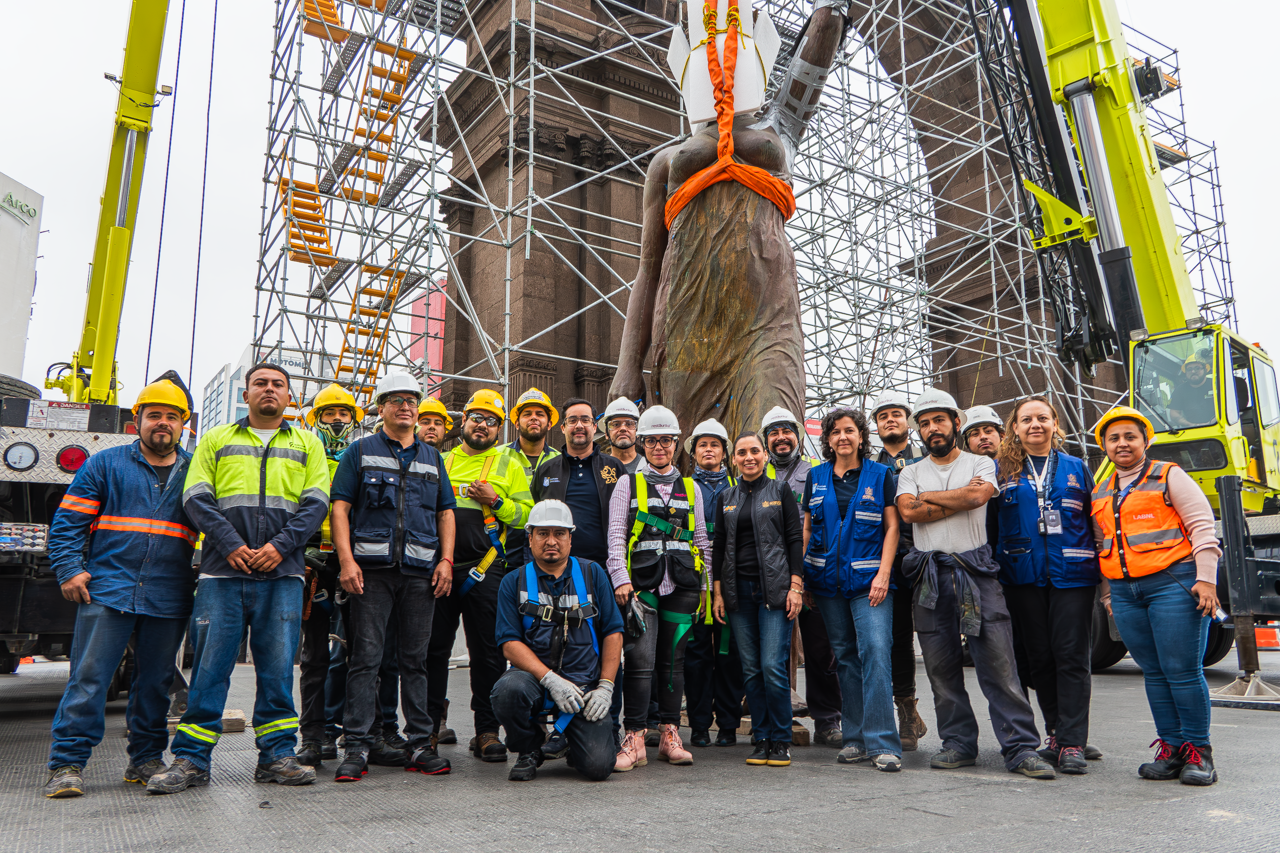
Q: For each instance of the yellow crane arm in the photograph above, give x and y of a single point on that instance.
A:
(96, 354)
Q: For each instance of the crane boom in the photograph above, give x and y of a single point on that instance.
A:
(92, 377)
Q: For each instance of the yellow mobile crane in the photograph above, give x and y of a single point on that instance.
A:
(1071, 103)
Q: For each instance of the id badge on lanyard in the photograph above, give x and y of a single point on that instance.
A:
(1050, 521)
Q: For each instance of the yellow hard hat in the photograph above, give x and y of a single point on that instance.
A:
(163, 393)
(1120, 413)
(334, 395)
(487, 401)
(534, 397)
(1200, 358)
(433, 406)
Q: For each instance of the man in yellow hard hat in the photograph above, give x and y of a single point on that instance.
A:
(492, 492)
(125, 507)
(1192, 402)
(434, 422)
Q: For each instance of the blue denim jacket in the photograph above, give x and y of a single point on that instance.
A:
(133, 537)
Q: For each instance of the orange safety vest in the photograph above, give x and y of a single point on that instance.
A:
(725, 168)
(1151, 536)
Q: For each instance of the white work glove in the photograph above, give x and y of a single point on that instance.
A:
(598, 701)
(566, 694)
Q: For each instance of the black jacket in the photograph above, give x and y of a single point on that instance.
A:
(779, 535)
(551, 480)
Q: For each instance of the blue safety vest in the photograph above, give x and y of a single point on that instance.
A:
(1025, 555)
(844, 553)
(393, 521)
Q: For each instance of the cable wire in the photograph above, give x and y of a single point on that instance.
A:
(204, 179)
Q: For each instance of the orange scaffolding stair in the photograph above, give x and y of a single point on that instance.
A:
(323, 20)
(370, 317)
(308, 234)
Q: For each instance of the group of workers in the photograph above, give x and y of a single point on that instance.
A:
(575, 571)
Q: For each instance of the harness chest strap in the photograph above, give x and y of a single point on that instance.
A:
(661, 525)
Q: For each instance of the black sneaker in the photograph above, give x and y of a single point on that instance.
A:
(727, 737)
(140, 774)
(759, 755)
(395, 740)
(1167, 764)
(1051, 750)
(701, 737)
(285, 771)
(526, 767)
(178, 776)
(329, 747)
(557, 746)
(1092, 753)
(779, 754)
(950, 759)
(385, 755)
(447, 735)
(66, 781)
(353, 768)
(829, 737)
(1198, 769)
(1035, 767)
(311, 754)
(1071, 761)
(426, 760)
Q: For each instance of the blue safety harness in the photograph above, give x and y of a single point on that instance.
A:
(533, 610)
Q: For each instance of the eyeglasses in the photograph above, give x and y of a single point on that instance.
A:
(579, 419)
(658, 441)
(397, 401)
(487, 420)
(625, 423)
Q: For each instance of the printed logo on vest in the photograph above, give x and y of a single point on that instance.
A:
(868, 495)
(1143, 515)
(608, 474)
(770, 503)
(1072, 481)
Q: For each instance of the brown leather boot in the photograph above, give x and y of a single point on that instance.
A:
(910, 725)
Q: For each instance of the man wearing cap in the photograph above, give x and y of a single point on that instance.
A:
(492, 493)
(558, 625)
(434, 422)
(891, 413)
(781, 431)
(620, 419)
(393, 527)
(121, 545)
(957, 594)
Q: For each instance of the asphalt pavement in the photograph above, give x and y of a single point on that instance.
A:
(717, 804)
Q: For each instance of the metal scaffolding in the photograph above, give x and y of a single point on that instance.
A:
(389, 196)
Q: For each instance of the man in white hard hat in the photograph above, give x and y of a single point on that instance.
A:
(658, 548)
(561, 630)
(891, 414)
(713, 669)
(983, 430)
(781, 431)
(957, 594)
(619, 421)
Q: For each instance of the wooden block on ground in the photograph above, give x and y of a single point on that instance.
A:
(799, 736)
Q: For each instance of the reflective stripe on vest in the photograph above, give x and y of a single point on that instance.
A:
(674, 538)
(1141, 534)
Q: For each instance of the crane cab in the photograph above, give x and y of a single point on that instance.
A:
(1212, 399)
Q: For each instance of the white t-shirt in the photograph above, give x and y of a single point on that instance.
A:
(963, 531)
(265, 434)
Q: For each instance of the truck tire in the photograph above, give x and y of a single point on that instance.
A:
(8, 663)
(1222, 636)
(11, 386)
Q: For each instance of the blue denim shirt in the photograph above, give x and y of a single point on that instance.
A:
(131, 536)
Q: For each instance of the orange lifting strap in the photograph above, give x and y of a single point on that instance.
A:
(726, 168)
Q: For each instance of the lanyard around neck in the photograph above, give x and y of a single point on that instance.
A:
(1044, 480)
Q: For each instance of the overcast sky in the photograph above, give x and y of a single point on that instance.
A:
(55, 123)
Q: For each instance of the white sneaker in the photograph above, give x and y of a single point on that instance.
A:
(888, 763)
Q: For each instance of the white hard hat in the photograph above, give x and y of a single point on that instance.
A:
(619, 408)
(980, 416)
(550, 513)
(394, 382)
(658, 420)
(935, 399)
(777, 415)
(890, 399)
(712, 427)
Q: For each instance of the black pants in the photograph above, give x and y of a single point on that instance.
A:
(1056, 626)
(409, 601)
(313, 669)
(518, 700)
(658, 656)
(821, 684)
(385, 717)
(902, 655)
(713, 680)
(478, 612)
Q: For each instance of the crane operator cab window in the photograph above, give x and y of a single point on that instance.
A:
(1174, 384)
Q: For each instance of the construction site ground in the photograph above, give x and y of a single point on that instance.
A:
(717, 804)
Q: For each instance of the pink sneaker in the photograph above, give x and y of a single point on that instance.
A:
(670, 748)
(632, 753)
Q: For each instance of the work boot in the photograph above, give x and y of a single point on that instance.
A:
(1071, 761)
(311, 754)
(779, 754)
(727, 737)
(526, 767)
(759, 754)
(1198, 769)
(557, 746)
(427, 761)
(487, 747)
(384, 755)
(329, 747)
(829, 737)
(633, 753)
(178, 776)
(354, 766)
(141, 774)
(670, 748)
(911, 725)
(66, 781)
(950, 759)
(1167, 764)
(1034, 767)
(1092, 753)
(285, 771)
(700, 738)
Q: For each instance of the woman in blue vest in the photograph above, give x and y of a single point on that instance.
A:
(851, 538)
(1049, 571)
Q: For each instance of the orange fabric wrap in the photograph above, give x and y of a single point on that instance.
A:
(726, 168)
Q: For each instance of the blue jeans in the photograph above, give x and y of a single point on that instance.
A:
(100, 640)
(271, 610)
(764, 643)
(862, 638)
(1166, 635)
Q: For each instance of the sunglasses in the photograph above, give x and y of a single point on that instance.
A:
(487, 420)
